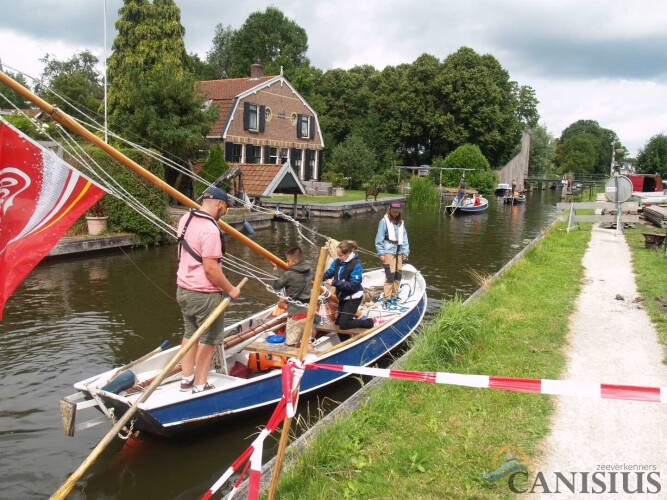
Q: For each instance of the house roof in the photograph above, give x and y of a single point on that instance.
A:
(266, 179)
(222, 93)
(31, 112)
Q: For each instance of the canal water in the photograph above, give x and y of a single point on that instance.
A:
(72, 318)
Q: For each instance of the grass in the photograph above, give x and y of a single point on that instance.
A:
(350, 195)
(649, 266)
(417, 440)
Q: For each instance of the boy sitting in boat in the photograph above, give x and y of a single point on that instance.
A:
(297, 284)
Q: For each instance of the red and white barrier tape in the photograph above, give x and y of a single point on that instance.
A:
(542, 386)
(294, 369)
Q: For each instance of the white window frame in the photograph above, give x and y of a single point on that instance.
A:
(285, 158)
(273, 159)
(305, 119)
(253, 114)
(239, 146)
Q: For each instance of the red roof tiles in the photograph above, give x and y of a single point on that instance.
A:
(222, 94)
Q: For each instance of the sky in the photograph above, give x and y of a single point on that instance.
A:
(596, 60)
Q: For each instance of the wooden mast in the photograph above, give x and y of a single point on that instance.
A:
(65, 120)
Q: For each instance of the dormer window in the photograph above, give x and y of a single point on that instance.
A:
(253, 122)
(305, 127)
(253, 117)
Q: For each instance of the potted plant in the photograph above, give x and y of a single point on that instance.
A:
(97, 218)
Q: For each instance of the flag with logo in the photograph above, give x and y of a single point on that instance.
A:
(41, 196)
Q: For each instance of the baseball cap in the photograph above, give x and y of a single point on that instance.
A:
(395, 205)
(215, 193)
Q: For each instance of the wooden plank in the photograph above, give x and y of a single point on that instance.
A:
(276, 349)
(599, 218)
(591, 205)
(335, 329)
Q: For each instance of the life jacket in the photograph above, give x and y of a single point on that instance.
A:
(260, 362)
(349, 267)
(184, 244)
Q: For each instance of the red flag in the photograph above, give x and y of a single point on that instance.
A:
(41, 196)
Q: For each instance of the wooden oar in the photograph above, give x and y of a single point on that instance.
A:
(305, 338)
(67, 486)
(68, 122)
(161, 347)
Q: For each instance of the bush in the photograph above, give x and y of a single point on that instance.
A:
(466, 156)
(122, 218)
(354, 159)
(336, 179)
(214, 167)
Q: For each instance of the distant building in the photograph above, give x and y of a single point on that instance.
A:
(264, 120)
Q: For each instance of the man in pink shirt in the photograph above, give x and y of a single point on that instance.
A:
(201, 284)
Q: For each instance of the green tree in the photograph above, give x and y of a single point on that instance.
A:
(652, 158)
(468, 156)
(353, 159)
(481, 105)
(542, 149)
(600, 139)
(152, 94)
(220, 55)
(270, 37)
(9, 98)
(527, 107)
(214, 167)
(74, 81)
(577, 154)
(202, 70)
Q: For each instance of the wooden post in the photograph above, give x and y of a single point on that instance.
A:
(294, 211)
(305, 338)
(67, 486)
(65, 120)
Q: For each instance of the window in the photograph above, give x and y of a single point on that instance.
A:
(273, 155)
(284, 152)
(296, 160)
(254, 154)
(253, 122)
(237, 153)
(311, 164)
(293, 118)
(267, 114)
(304, 126)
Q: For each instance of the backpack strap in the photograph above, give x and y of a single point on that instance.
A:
(182, 242)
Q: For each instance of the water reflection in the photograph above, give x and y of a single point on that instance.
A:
(74, 317)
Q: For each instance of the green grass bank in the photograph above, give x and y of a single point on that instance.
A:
(418, 440)
(649, 267)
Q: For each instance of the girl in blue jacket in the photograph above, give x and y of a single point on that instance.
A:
(346, 274)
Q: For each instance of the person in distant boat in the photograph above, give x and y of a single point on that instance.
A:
(346, 274)
(391, 244)
(478, 200)
(201, 284)
(462, 190)
(297, 284)
(514, 186)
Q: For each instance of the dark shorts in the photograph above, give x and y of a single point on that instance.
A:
(196, 307)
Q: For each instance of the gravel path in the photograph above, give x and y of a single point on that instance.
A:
(610, 341)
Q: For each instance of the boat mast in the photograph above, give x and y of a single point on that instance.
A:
(66, 121)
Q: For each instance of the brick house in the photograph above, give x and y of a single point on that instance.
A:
(264, 120)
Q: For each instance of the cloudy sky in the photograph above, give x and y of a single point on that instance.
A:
(599, 60)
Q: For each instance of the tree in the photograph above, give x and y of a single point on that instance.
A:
(481, 105)
(202, 70)
(72, 85)
(652, 158)
(542, 149)
(152, 93)
(353, 159)
(9, 95)
(214, 167)
(577, 154)
(601, 140)
(220, 55)
(527, 107)
(468, 156)
(270, 37)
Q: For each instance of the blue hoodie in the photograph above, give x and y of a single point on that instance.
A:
(350, 288)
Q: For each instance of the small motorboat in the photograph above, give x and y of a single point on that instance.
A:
(502, 189)
(508, 199)
(468, 206)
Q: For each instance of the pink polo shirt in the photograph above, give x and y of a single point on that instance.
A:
(204, 238)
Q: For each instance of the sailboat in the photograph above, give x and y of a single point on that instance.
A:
(238, 389)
